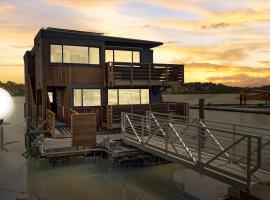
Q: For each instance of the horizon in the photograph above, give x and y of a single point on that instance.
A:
(221, 42)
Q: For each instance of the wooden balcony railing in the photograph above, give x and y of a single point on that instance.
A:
(111, 114)
(139, 74)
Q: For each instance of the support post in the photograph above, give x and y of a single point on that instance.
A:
(201, 117)
(201, 108)
(2, 133)
(248, 160)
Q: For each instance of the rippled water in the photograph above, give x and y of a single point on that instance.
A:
(96, 179)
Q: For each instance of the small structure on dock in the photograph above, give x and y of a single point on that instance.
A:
(78, 83)
(257, 95)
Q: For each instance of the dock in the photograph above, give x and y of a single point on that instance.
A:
(236, 108)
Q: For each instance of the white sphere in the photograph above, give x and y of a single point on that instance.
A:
(6, 103)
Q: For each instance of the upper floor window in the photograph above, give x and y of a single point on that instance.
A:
(122, 56)
(74, 54)
(56, 53)
(94, 55)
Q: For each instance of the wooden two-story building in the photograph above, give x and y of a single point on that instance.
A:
(70, 71)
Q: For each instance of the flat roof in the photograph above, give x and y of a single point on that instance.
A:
(109, 40)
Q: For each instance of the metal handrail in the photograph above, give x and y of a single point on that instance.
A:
(234, 164)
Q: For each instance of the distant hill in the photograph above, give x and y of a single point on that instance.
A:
(210, 88)
(14, 89)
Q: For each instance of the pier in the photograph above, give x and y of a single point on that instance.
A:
(234, 154)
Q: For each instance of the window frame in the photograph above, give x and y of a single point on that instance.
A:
(118, 96)
(82, 106)
(50, 54)
(116, 49)
(76, 64)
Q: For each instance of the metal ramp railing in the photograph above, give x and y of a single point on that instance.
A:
(231, 156)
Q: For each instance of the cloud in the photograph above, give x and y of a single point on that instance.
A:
(265, 62)
(242, 80)
(83, 4)
(230, 75)
(215, 26)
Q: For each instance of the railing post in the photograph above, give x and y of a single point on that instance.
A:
(122, 122)
(248, 160)
(142, 130)
(234, 130)
(131, 74)
(259, 151)
(199, 141)
(148, 121)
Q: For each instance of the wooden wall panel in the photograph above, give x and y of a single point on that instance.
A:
(83, 129)
(95, 110)
(65, 75)
(87, 75)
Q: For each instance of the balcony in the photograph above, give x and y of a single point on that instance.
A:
(139, 74)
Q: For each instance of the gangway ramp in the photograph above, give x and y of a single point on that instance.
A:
(228, 152)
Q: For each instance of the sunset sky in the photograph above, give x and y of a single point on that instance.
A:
(222, 41)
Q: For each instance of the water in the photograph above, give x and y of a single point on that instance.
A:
(259, 120)
(96, 179)
(209, 98)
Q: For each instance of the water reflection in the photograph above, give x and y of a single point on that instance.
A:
(96, 179)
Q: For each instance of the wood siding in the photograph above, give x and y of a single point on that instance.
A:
(66, 75)
(83, 129)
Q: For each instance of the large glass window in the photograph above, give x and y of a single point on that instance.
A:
(77, 97)
(122, 56)
(75, 54)
(136, 56)
(56, 53)
(144, 96)
(112, 96)
(94, 55)
(108, 55)
(128, 96)
(87, 97)
(91, 97)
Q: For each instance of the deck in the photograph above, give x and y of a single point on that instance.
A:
(139, 74)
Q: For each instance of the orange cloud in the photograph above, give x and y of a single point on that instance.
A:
(232, 75)
(241, 80)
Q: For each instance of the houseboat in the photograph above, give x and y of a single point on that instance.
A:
(78, 83)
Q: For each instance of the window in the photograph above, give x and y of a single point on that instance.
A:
(50, 95)
(136, 56)
(122, 56)
(128, 96)
(75, 54)
(112, 97)
(86, 97)
(91, 97)
(108, 55)
(77, 97)
(56, 53)
(94, 55)
(144, 96)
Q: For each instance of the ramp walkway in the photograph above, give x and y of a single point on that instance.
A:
(235, 154)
